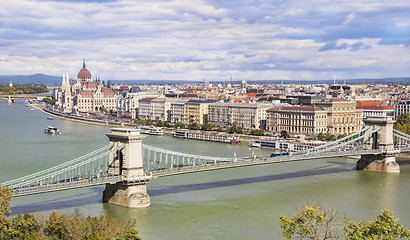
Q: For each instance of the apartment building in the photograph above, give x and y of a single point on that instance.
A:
(196, 111)
(342, 115)
(245, 115)
(307, 120)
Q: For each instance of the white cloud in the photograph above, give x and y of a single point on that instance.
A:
(182, 39)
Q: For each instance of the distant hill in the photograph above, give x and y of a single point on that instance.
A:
(55, 80)
(30, 79)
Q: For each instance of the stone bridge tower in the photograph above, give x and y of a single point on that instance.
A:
(383, 140)
(131, 191)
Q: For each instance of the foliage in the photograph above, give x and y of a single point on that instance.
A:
(403, 123)
(320, 136)
(60, 226)
(194, 126)
(6, 196)
(235, 128)
(49, 100)
(311, 222)
(340, 136)
(23, 89)
(207, 126)
(316, 222)
(330, 137)
(284, 134)
(179, 125)
(159, 123)
(258, 132)
(383, 227)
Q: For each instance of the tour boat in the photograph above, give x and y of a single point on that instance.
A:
(50, 118)
(151, 130)
(52, 130)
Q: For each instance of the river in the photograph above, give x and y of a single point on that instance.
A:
(239, 203)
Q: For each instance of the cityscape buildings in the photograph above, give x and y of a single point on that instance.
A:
(298, 109)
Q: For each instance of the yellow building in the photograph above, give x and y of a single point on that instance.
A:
(342, 116)
(196, 111)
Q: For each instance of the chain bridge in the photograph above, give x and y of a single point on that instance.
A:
(126, 165)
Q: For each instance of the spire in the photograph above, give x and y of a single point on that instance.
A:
(84, 62)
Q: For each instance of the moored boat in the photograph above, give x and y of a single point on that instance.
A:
(207, 136)
(151, 130)
(51, 130)
(287, 145)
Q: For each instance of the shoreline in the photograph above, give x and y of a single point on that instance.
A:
(168, 131)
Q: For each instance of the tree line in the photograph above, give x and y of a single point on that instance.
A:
(60, 226)
(5, 89)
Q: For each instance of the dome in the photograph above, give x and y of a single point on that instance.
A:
(84, 74)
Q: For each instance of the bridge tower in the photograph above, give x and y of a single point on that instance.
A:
(131, 191)
(383, 140)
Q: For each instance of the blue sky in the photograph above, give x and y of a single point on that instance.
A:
(199, 39)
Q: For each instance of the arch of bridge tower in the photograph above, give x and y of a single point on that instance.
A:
(127, 162)
(382, 140)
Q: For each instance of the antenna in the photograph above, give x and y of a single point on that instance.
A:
(334, 79)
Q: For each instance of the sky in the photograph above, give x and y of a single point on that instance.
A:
(207, 39)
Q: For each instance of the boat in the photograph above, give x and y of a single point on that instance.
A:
(32, 109)
(287, 145)
(151, 130)
(50, 118)
(207, 136)
(51, 130)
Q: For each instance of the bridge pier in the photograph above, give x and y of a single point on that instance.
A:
(383, 140)
(131, 191)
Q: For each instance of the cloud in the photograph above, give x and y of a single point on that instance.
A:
(182, 39)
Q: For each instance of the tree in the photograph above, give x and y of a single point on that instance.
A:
(383, 227)
(194, 126)
(320, 136)
(258, 132)
(235, 128)
(179, 125)
(60, 226)
(311, 222)
(159, 123)
(6, 197)
(206, 127)
(284, 134)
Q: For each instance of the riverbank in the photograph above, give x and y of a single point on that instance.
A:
(116, 122)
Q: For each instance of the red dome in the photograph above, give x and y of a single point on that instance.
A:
(84, 74)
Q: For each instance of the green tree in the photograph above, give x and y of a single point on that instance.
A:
(179, 125)
(159, 123)
(383, 227)
(320, 136)
(207, 126)
(311, 222)
(194, 126)
(258, 132)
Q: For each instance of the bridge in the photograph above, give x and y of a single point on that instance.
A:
(125, 165)
(11, 97)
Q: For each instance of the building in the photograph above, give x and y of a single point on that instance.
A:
(177, 110)
(196, 111)
(84, 95)
(342, 115)
(401, 107)
(245, 115)
(306, 120)
(375, 108)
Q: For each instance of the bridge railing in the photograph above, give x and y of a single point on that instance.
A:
(90, 165)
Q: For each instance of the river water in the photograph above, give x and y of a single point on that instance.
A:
(239, 203)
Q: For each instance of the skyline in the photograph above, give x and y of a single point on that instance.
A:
(195, 40)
